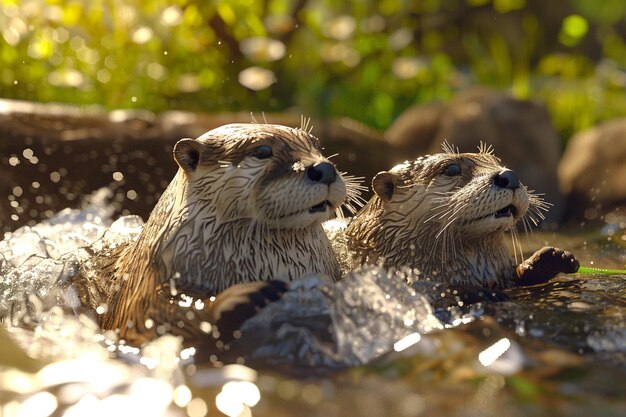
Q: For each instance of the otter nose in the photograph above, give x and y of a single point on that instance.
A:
(323, 172)
(506, 179)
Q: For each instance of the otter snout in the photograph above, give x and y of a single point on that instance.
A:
(506, 179)
(323, 172)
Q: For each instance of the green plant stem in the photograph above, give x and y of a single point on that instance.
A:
(603, 271)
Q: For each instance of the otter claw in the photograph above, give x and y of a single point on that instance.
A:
(544, 265)
(238, 303)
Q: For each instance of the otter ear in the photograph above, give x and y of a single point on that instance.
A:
(187, 154)
(384, 185)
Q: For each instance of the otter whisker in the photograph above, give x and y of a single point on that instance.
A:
(444, 247)
(534, 218)
(433, 249)
(538, 211)
(449, 148)
(460, 207)
(339, 213)
(253, 236)
(448, 246)
(304, 124)
(519, 244)
(354, 183)
(453, 236)
(516, 246)
(485, 149)
(453, 211)
(536, 208)
(441, 214)
(527, 229)
(513, 244)
(433, 216)
(350, 205)
(446, 226)
(536, 199)
(539, 206)
(353, 193)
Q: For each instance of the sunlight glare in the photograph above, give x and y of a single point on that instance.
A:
(235, 396)
(407, 342)
(41, 404)
(488, 356)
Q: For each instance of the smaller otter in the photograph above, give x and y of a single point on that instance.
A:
(247, 204)
(446, 215)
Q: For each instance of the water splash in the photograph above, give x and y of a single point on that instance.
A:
(323, 325)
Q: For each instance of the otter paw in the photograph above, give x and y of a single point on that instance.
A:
(238, 303)
(544, 265)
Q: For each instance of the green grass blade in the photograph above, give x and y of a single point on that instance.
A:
(602, 271)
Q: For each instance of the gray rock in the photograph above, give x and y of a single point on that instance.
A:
(592, 172)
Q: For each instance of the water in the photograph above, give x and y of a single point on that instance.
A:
(369, 345)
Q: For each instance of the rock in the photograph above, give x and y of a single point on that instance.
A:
(415, 129)
(51, 155)
(520, 132)
(592, 172)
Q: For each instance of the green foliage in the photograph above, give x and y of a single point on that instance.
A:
(365, 59)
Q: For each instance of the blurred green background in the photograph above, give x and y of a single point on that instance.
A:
(365, 59)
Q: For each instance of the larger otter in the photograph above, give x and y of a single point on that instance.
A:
(446, 215)
(246, 204)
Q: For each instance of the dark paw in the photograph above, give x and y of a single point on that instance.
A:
(238, 303)
(544, 265)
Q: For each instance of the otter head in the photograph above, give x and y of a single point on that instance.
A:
(471, 194)
(272, 175)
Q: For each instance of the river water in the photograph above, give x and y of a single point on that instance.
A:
(556, 349)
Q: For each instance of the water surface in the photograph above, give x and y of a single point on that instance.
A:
(368, 346)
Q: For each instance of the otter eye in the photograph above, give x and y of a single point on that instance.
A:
(452, 170)
(262, 152)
